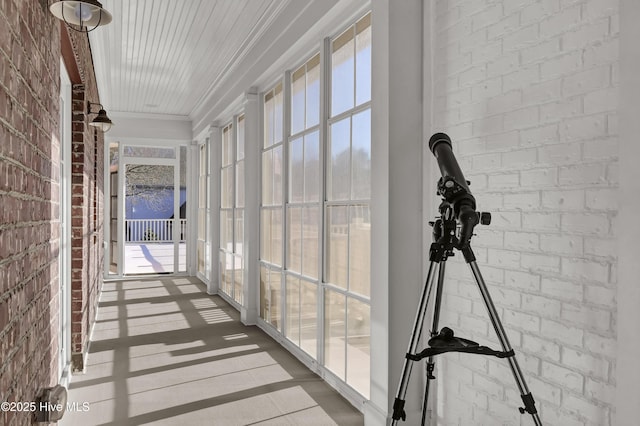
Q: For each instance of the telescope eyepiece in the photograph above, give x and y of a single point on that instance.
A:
(438, 138)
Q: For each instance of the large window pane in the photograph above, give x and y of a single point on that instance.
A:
(361, 156)
(342, 73)
(309, 236)
(294, 247)
(313, 91)
(275, 286)
(226, 272)
(334, 326)
(237, 278)
(240, 142)
(359, 250)
(270, 291)
(296, 170)
(265, 235)
(269, 115)
(226, 230)
(312, 167)
(298, 100)
(271, 236)
(239, 231)
(293, 309)
(267, 178)
(202, 224)
(278, 115)
(200, 257)
(363, 60)
(226, 181)
(337, 245)
(240, 184)
(276, 237)
(358, 345)
(278, 180)
(227, 146)
(340, 154)
(309, 317)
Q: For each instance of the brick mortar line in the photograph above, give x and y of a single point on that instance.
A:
(24, 310)
(15, 162)
(26, 197)
(20, 256)
(23, 137)
(524, 310)
(554, 275)
(469, 18)
(44, 59)
(30, 90)
(31, 357)
(531, 64)
(519, 189)
(524, 106)
(26, 225)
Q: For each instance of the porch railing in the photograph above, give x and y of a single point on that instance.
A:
(153, 230)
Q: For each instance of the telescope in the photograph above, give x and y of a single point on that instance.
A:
(454, 188)
(457, 210)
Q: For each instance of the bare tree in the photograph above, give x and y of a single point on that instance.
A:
(151, 184)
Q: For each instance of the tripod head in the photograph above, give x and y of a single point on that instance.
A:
(448, 231)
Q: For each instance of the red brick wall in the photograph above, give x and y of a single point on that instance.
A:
(30, 40)
(87, 215)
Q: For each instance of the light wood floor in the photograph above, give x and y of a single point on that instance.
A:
(164, 352)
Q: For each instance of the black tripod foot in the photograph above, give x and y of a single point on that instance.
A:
(529, 404)
(398, 410)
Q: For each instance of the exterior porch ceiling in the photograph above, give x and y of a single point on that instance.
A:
(167, 57)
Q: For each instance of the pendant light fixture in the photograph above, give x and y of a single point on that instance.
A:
(82, 16)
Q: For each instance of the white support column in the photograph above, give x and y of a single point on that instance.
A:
(215, 160)
(628, 350)
(251, 243)
(397, 201)
(193, 182)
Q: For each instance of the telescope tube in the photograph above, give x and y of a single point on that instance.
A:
(440, 146)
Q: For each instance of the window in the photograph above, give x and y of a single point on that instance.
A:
(232, 210)
(238, 280)
(315, 213)
(303, 219)
(347, 209)
(271, 210)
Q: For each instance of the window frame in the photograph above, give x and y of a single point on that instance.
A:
(284, 271)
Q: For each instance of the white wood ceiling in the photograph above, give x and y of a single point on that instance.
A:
(165, 56)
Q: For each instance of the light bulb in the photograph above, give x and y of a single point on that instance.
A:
(83, 11)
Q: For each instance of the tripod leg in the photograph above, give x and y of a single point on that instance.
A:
(527, 398)
(434, 331)
(398, 405)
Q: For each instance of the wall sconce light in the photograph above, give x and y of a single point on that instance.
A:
(83, 14)
(102, 122)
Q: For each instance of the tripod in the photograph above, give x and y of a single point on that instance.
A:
(445, 240)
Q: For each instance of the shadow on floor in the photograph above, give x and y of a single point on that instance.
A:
(165, 352)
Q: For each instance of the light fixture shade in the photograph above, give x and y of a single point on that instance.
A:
(102, 122)
(85, 14)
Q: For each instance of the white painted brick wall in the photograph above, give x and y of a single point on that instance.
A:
(528, 92)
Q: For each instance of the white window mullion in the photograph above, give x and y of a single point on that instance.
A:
(286, 133)
(325, 90)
